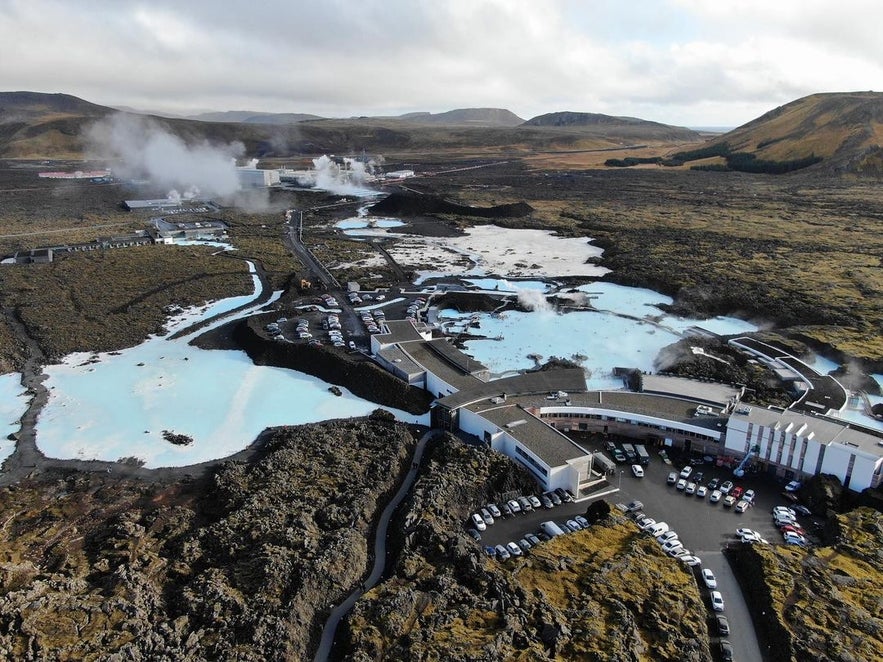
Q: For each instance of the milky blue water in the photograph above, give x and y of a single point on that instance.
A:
(597, 340)
(364, 222)
(503, 285)
(13, 403)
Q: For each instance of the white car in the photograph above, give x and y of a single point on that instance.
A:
(535, 502)
(784, 510)
(646, 523)
(486, 516)
(715, 496)
(514, 506)
(742, 506)
(494, 510)
(690, 489)
(701, 491)
(792, 538)
(748, 496)
(682, 483)
(513, 549)
(478, 522)
(690, 560)
(665, 537)
(742, 532)
(717, 601)
(638, 470)
(673, 547)
(709, 578)
(686, 471)
(658, 529)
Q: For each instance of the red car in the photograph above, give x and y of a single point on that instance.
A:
(737, 492)
(793, 529)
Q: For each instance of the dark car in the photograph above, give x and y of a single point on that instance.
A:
(563, 494)
(697, 477)
(619, 456)
(726, 651)
(554, 497)
(610, 446)
(723, 625)
(474, 534)
(713, 483)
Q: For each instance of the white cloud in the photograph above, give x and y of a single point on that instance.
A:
(674, 61)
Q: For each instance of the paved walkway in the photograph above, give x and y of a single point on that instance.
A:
(341, 610)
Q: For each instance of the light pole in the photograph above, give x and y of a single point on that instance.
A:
(621, 472)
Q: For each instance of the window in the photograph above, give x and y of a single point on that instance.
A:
(533, 465)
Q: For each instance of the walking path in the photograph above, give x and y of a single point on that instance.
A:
(330, 629)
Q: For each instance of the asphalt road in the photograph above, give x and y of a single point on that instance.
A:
(704, 528)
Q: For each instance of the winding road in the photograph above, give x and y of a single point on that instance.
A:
(330, 629)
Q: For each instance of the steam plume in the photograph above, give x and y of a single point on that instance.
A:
(534, 300)
(349, 179)
(143, 149)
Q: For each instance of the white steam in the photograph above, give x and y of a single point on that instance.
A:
(349, 178)
(534, 300)
(143, 149)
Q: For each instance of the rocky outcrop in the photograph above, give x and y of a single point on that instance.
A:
(822, 603)
(606, 593)
(241, 565)
(407, 204)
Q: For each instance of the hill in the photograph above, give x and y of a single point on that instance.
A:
(253, 117)
(42, 126)
(841, 132)
(609, 123)
(466, 117)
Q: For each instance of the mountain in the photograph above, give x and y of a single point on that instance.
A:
(842, 132)
(466, 117)
(610, 123)
(253, 117)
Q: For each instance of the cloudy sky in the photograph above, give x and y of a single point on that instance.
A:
(684, 62)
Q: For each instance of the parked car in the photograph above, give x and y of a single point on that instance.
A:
(486, 516)
(690, 488)
(697, 477)
(701, 491)
(792, 538)
(554, 497)
(478, 522)
(793, 528)
(658, 529)
(514, 506)
(729, 500)
(742, 505)
(632, 506)
(619, 456)
(490, 550)
(726, 486)
(726, 651)
(667, 536)
(748, 496)
(514, 549)
(742, 531)
(686, 471)
(648, 524)
(474, 534)
(717, 601)
(494, 510)
(793, 486)
(672, 544)
(524, 543)
(737, 491)
(638, 470)
(506, 510)
(573, 525)
(547, 502)
(713, 483)
(534, 502)
(502, 553)
(566, 496)
(682, 483)
(803, 510)
(723, 625)
(532, 539)
(690, 559)
(582, 521)
(672, 478)
(526, 505)
(715, 496)
(709, 578)
(784, 509)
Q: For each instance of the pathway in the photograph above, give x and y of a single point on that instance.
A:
(341, 610)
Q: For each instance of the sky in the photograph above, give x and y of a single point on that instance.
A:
(683, 62)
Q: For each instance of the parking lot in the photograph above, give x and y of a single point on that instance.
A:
(703, 527)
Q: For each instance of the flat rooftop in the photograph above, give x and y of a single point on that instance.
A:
(393, 354)
(691, 389)
(570, 380)
(541, 439)
(399, 331)
(824, 429)
(423, 353)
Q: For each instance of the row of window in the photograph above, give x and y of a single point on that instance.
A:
(533, 465)
(583, 426)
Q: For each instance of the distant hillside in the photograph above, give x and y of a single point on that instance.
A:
(835, 133)
(253, 117)
(466, 117)
(597, 121)
(36, 104)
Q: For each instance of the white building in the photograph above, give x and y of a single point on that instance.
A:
(793, 445)
(256, 178)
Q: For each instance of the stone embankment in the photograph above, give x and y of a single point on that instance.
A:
(350, 370)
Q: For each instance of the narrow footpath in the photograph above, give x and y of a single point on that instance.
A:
(341, 610)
